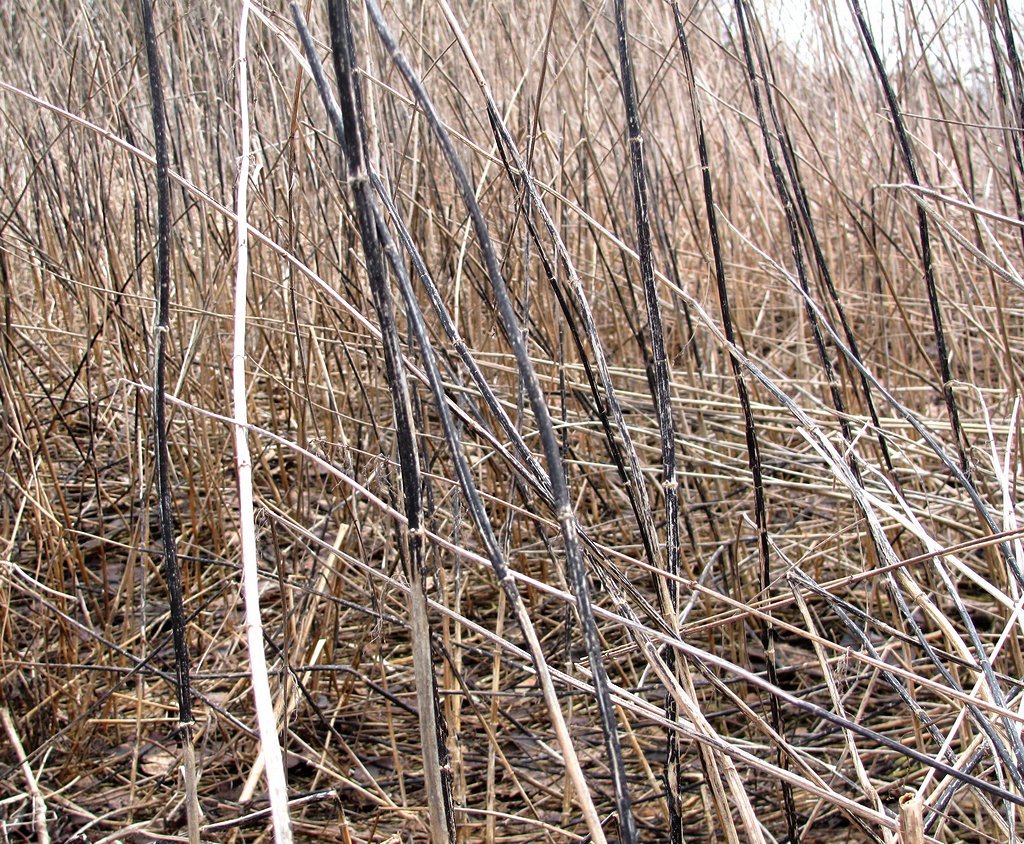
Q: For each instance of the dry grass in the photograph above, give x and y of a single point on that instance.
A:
(885, 596)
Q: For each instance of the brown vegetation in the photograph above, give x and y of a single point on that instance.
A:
(823, 631)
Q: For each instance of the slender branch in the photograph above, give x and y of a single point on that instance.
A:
(907, 155)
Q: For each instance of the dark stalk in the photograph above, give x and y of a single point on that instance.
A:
(348, 122)
(768, 633)
(1016, 71)
(803, 206)
(794, 211)
(536, 472)
(1011, 98)
(662, 393)
(463, 470)
(576, 309)
(576, 569)
(750, 430)
(659, 358)
(172, 568)
(907, 154)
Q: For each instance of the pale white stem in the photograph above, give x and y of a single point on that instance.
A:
(38, 804)
(277, 786)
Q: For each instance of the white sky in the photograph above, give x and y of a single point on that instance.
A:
(947, 19)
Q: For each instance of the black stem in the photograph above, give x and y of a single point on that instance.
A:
(907, 154)
(768, 633)
(172, 569)
(576, 569)
(347, 120)
(659, 369)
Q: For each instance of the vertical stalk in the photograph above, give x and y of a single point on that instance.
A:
(1011, 96)
(172, 570)
(667, 588)
(270, 746)
(348, 121)
(662, 388)
(753, 448)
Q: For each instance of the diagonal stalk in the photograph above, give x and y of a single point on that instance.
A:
(346, 115)
(907, 155)
(575, 567)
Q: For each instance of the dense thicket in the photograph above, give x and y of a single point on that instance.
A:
(710, 411)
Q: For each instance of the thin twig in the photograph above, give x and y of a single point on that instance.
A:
(38, 803)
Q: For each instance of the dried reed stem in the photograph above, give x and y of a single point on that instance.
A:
(347, 120)
(270, 745)
(172, 569)
(38, 801)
